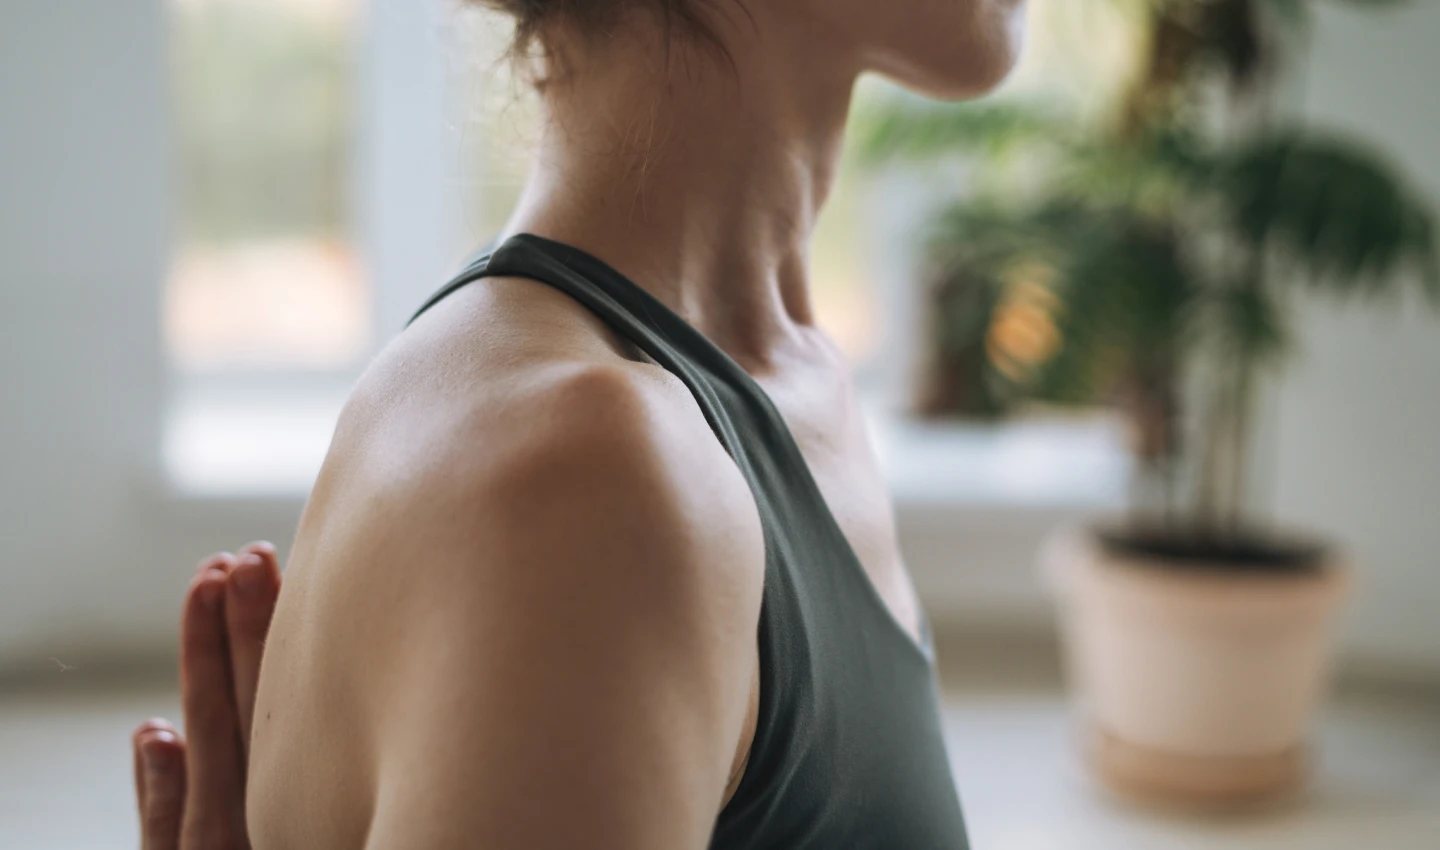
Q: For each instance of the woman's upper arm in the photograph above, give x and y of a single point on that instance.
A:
(574, 641)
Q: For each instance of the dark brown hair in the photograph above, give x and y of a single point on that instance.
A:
(685, 18)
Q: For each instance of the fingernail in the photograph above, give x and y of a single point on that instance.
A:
(217, 561)
(248, 577)
(211, 593)
(158, 759)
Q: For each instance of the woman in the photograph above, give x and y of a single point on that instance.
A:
(599, 556)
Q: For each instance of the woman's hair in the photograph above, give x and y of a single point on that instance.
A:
(595, 17)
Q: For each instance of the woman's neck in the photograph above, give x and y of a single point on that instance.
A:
(701, 181)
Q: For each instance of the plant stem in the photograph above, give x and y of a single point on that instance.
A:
(1241, 412)
(1207, 507)
(1252, 349)
(1171, 489)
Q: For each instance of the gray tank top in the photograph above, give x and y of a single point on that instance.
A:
(848, 753)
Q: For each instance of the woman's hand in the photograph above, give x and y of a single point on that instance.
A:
(191, 794)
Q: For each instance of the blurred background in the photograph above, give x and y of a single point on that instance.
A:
(1180, 268)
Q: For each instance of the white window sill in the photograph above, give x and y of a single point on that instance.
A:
(1078, 463)
(254, 446)
(248, 445)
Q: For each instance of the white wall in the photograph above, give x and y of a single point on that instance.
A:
(82, 247)
(1357, 442)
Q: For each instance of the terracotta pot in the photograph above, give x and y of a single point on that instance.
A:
(1196, 685)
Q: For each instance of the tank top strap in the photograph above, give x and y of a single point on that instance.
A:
(633, 313)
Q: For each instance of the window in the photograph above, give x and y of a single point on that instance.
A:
(264, 275)
(266, 295)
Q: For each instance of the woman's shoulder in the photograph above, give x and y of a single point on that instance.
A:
(509, 539)
(509, 407)
(508, 374)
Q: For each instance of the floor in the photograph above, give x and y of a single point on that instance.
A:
(1377, 784)
(65, 776)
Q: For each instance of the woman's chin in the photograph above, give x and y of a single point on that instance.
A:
(956, 81)
(942, 65)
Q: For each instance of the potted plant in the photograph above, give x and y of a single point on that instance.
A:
(1148, 259)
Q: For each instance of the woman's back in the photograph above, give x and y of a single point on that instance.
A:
(523, 520)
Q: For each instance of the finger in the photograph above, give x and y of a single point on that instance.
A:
(250, 595)
(161, 758)
(152, 725)
(221, 561)
(214, 803)
(263, 548)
